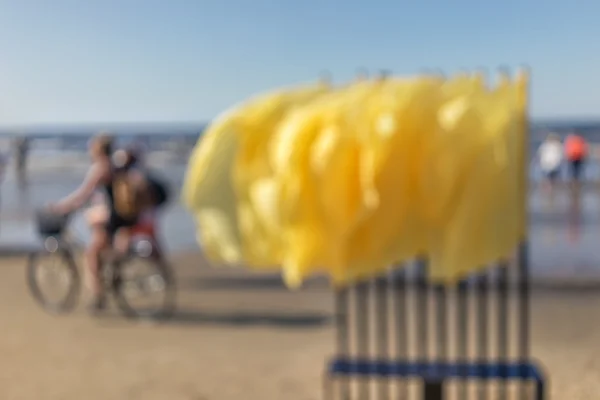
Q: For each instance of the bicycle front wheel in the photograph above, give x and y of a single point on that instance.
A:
(54, 280)
(144, 288)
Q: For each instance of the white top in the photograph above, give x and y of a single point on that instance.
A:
(551, 155)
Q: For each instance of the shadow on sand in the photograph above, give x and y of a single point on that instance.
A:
(269, 282)
(250, 318)
(239, 319)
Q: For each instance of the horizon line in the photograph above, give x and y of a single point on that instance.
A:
(95, 124)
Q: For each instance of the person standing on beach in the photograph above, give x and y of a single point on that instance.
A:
(550, 155)
(576, 151)
(4, 157)
(21, 153)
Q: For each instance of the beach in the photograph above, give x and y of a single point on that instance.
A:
(235, 336)
(334, 150)
(240, 335)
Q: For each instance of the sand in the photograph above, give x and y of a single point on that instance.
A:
(236, 336)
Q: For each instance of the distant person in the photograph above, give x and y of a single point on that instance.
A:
(4, 157)
(550, 155)
(576, 152)
(21, 153)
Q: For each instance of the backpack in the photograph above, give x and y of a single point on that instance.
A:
(159, 188)
(128, 201)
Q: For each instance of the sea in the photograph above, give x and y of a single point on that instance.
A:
(564, 231)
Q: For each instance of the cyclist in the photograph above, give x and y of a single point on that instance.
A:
(124, 200)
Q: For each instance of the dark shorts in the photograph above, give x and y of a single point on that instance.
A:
(552, 175)
(116, 222)
(576, 167)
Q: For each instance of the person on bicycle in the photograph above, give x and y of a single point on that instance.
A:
(124, 201)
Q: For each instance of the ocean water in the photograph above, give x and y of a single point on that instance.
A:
(564, 231)
(58, 160)
(58, 146)
(18, 205)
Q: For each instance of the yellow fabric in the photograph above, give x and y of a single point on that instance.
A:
(314, 159)
(209, 194)
(216, 168)
(446, 168)
(391, 231)
(256, 190)
(349, 181)
(482, 224)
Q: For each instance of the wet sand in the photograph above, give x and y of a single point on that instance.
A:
(235, 336)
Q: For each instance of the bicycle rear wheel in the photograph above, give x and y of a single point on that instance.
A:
(144, 288)
(56, 267)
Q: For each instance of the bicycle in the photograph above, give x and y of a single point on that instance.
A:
(58, 244)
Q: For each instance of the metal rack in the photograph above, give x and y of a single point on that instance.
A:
(400, 337)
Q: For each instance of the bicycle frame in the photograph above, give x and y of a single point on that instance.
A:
(144, 231)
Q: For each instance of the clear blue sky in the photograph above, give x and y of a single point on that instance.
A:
(174, 60)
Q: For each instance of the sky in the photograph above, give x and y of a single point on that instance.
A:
(74, 61)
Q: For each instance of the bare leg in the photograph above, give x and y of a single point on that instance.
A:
(100, 241)
(97, 215)
(122, 240)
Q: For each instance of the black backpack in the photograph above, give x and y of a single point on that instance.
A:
(159, 187)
